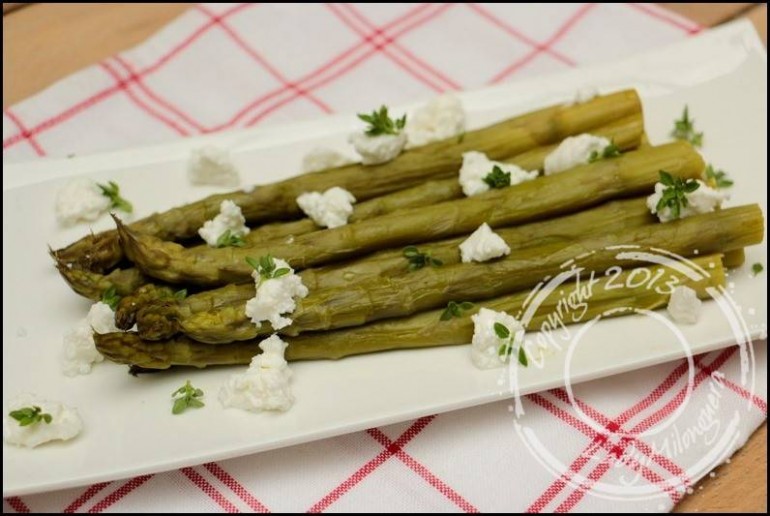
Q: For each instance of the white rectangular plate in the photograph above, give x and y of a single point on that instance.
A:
(129, 429)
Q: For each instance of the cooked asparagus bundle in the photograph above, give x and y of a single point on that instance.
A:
(427, 329)
(158, 320)
(438, 160)
(382, 298)
(584, 186)
(625, 133)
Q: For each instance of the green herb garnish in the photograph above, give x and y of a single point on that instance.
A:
(230, 239)
(28, 416)
(380, 123)
(266, 267)
(112, 191)
(757, 268)
(180, 295)
(111, 298)
(497, 178)
(186, 397)
(418, 260)
(684, 129)
(717, 178)
(675, 194)
(455, 309)
(506, 348)
(610, 151)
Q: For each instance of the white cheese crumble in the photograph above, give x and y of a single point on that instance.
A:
(378, 149)
(476, 166)
(330, 209)
(485, 345)
(80, 200)
(703, 200)
(265, 385)
(483, 245)
(441, 118)
(684, 306)
(322, 159)
(211, 165)
(230, 218)
(573, 151)
(275, 296)
(65, 422)
(79, 350)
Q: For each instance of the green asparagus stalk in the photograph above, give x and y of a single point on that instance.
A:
(430, 287)
(418, 331)
(607, 218)
(438, 160)
(582, 187)
(92, 285)
(626, 133)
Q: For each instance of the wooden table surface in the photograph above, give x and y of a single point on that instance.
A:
(44, 42)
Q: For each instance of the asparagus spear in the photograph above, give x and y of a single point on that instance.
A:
(582, 187)
(430, 287)
(434, 161)
(626, 133)
(92, 285)
(609, 217)
(418, 331)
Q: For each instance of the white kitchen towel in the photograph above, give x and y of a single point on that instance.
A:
(634, 442)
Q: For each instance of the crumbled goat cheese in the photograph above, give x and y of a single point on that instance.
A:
(321, 159)
(441, 118)
(211, 165)
(684, 306)
(330, 209)
(80, 200)
(79, 350)
(485, 345)
(65, 423)
(476, 166)
(703, 200)
(275, 296)
(483, 245)
(265, 384)
(229, 218)
(573, 151)
(378, 149)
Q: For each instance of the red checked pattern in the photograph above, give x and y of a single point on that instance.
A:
(234, 66)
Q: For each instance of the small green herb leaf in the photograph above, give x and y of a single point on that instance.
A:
(380, 123)
(455, 309)
(717, 178)
(674, 195)
(502, 331)
(112, 191)
(186, 397)
(757, 268)
(497, 178)
(110, 297)
(28, 416)
(610, 151)
(418, 260)
(230, 239)
(179, 295)
(684, 129)
(266, 267)
(523, 357)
